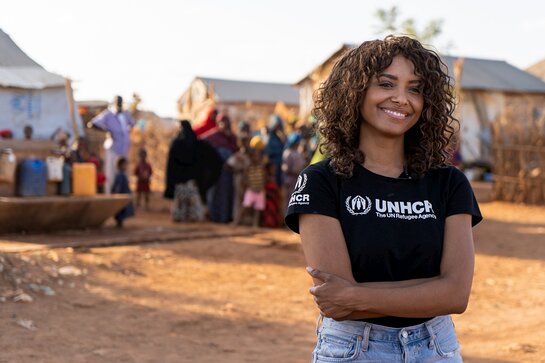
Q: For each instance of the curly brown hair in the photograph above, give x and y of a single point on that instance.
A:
(337, 105)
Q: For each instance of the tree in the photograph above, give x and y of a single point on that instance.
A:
(390, 24)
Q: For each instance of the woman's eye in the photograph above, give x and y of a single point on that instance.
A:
(416, 90)
(385, 85)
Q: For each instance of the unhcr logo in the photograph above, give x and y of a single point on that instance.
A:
(301, 183)
(358, 205)
(297, 198)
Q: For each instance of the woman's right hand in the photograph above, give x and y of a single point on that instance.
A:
(331, 296)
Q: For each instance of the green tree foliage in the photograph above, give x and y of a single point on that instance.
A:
(389, 23)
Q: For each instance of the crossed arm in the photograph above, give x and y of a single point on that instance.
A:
(338, 295)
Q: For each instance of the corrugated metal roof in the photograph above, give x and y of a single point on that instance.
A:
(483, 74)
(19, 70)
(495, 75)
(243, 91)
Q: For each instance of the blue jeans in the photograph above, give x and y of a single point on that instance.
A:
(358, 341)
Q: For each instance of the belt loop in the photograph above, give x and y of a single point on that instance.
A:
(319, 321)
(432, 334)
(365, 343)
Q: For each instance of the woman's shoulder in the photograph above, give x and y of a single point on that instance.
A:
(322, 166)
(446, 170)
(447, 173)
(321, 170)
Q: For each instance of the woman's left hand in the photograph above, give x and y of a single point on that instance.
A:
(331, 296)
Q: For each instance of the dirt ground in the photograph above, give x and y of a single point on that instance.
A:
(209, 293)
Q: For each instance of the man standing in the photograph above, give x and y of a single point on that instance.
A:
(118, 124)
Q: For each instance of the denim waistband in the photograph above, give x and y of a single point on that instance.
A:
(376, 332)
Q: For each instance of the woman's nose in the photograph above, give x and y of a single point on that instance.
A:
(400, 98)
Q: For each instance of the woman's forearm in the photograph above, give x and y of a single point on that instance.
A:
(411, 298)
(395, 284)
(355, 315)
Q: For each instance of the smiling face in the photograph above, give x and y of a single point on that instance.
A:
(393, 101)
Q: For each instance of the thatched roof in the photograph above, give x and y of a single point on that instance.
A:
(538, 69)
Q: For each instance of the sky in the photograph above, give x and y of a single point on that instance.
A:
(156, 48)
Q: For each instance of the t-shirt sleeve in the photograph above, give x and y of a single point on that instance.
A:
(315, 192)
(461, 199)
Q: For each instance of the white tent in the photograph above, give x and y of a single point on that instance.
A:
(30, 95)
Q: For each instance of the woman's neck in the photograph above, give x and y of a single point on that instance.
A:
(383, 156)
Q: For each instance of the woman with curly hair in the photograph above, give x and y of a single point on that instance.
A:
(385, 222)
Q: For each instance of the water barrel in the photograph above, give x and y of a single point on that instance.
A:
(84, 179)
(32, 178)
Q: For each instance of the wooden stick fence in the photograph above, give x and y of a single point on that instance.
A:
(518, 151)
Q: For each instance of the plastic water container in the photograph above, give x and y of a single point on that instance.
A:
(8, 165)
(32, 178)
(65, 186)
(54, 168)
(84, 179)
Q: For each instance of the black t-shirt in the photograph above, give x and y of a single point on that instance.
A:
(393, 227)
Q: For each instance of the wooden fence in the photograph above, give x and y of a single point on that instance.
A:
(518, 152)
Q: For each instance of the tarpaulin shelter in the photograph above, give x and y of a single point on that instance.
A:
(30, 95)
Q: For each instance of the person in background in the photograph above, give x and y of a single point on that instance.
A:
(275, 144)
(238, 162)
(293, 162)
(79, 152)
(121, 186)
(220, 199)
(254, 178)
(143, 172)
(118, 124)
(101, 177)
(193, 167)
(273, 214)
(306, 144)
(208, 123)
(27, 132)
(82, 154)
(385, 221)
(61, 137)
(244, 131)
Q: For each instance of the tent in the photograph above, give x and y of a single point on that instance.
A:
(30, 95)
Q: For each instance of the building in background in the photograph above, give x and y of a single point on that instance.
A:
(242, 100)
(488, 87)
(537, 69)
(30, 95)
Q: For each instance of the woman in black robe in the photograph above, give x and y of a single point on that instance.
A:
(193, 166)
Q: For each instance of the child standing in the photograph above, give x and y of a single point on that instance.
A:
(101, 177)
(254, 194)
(272, 216)
(121, 186)
(143, 173)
